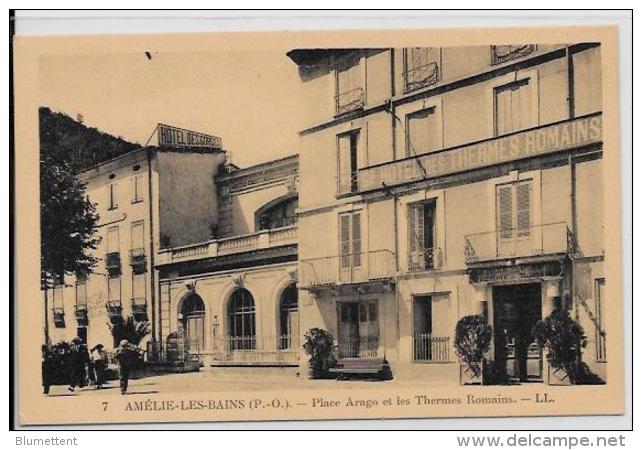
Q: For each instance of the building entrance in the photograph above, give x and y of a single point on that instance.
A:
(358, 329)
(516, 310)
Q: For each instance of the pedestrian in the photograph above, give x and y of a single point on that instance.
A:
(77, 361)
(48, 361)
(99, 359)
(126, 356)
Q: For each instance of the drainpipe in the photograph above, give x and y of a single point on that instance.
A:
(571, 115)
(571, 83)
(152, 270)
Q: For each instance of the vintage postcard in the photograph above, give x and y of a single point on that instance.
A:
(318, 225)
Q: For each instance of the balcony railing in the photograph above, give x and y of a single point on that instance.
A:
(137, 259)
(59, 317)
(421, 76)
(503, 53)
(227, 246)
(139, 308)
(428, 259)
(366, 347)
(82, 316)
(282, 349)
(348, 183)
(112, 262)
(347, 269)
(349, 101)
(427, 347)
(114, 311)
(533, 241)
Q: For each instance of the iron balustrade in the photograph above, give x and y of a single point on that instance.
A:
(82, 316)
(536, 240)
(59, 317)
(364, 347)
(503, 53)
(427, 259)
(347, 269)
(349, 100)
(256, 349)
(348, 183)
(421, 76)
(427, 347)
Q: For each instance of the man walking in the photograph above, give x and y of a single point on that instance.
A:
(99, 358)
(126, 357)
(77, 360)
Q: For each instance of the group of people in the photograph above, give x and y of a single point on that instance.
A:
(87, 367)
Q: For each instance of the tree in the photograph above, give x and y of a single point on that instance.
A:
(472, 340)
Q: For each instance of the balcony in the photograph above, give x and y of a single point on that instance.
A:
(115, 311)
(428, 259)
(348, 101)
(348, 183)
(256, 350)
(504, 53)
(82, 316)
(378, 265)
(59, 317)
(139, 308)
(529, 243)
(266, 239)
(421, 76)
(112, 262)
(137, 260)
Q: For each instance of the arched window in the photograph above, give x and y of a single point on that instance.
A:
(289, 317)
(241, 319)
(281, 214)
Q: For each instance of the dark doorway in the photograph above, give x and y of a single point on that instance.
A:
(193, 322)
(517, 308)
(358, 324)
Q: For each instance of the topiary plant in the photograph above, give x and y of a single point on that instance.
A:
(564, 340)
(472, 340)
(318, 343)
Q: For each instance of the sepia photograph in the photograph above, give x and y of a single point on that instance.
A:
(269, 226)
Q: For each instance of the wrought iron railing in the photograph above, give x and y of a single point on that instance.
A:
(256, 349)
(114, 311)
(536, 240)
(112, 262)
(348, 183)
(364, 347)
(139, 307)
(347, 269)
(503, 53)
(58, 317)
(427, 259)
(427, 347)
(82, 316)
(421, 76)
(349, 100)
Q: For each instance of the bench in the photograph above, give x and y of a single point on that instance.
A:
(377, 368)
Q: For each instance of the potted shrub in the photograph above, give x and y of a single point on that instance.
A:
(318, 344)
(563, 338)
(472, 340)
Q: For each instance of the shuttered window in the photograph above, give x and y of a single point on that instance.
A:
(348, 162)
(112, 240)
(421, 235)
(138, 286)
(113, 196)
(514, 210)
(137, 235)
(350, 239)
(81, 293)
(113, 289)
(137, 189)
(514, 107)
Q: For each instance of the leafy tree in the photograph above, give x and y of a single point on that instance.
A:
(318, 344)
(472, 340)
(130, 329)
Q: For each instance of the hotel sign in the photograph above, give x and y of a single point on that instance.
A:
(548, 139)
(169, 136)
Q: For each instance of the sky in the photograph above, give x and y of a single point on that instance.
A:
(248, 98)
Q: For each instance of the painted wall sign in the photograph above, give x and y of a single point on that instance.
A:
(169, 136)
(547, 139)
(515, 273)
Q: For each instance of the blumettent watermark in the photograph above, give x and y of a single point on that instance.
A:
(44, 442)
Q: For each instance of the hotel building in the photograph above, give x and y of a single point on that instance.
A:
(461, 180)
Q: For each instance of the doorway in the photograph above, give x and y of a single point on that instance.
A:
(516, 310)
(358, 327)
(193, 321)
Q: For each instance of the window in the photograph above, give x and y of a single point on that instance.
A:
(113, 289)
(113, 196)
(138, 286)
(241, 321)
(350, 240)
(137, 189)
(349, 84)
(423, 133)
(112, 240)
(81, 294)
(348, 162)
(421, 67)
(421, 235)
(428, 343)
(137, 233)
(600, 340)
(514, 107)
(514, 210)
(58, 298)
(503, 53)
(283, 214)
(289, 317)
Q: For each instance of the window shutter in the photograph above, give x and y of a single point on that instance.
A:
(416, 236)
(356, 238)
(137, 235)
(344, 163)
(523, 208)
(344, 239)
(138, 286)
(112, 240)
(505, 211)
